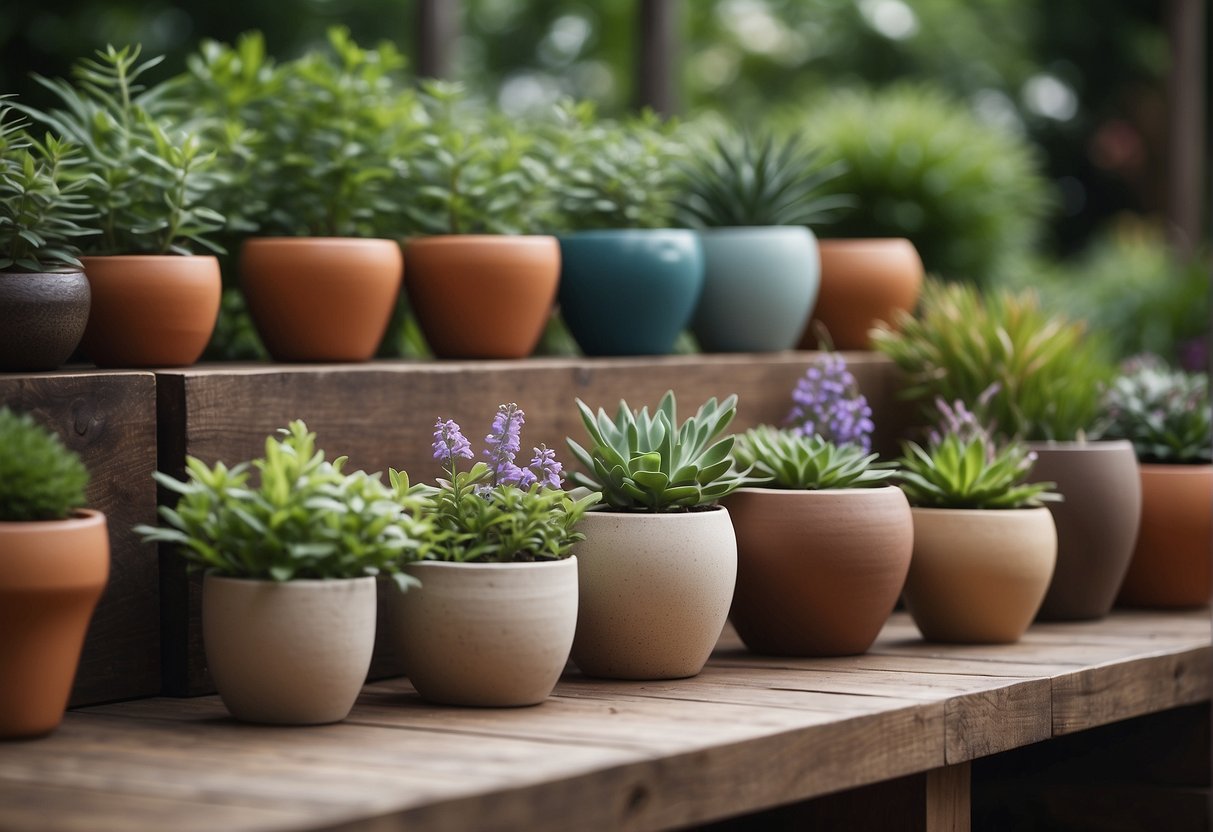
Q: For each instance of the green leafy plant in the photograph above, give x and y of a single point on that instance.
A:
(783, 459)
(1165, 413)
(498, 512)
(302, 519)
(42, 206)
(1048, 371)
(650, 462)
(147, 177)
(756, 179)
(964, 466)
(40, 479)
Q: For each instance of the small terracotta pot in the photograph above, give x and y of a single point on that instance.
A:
(1096, 523)
(42, 318)
(978, 575)
(1172, 564)
(51, 574)
(655, 592)
(487, 634)
(863, 282)
(321, 298)
(150, 310)
(480, 296)
(818, 572)
(292, 653)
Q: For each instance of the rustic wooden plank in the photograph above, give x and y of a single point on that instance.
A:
(109, 418)
(947, 799)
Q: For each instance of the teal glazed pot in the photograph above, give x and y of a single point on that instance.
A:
(759, 285)
(629, 291)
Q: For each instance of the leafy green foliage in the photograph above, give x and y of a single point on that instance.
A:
(40, 479)
(1048, 371)
(754, 179)
(643, 462)
(970, 472)
(302, 519)
(784, 459)
(1165, 413)
(148, 178)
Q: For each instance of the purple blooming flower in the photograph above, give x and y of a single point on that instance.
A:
(827, 402)
(546, 467)
(449, 443)
(966, 425)
(503, 442)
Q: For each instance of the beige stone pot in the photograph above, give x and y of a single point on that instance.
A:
(655, 592)
(979, 575)
(293, 653)
(818, 572)
(486, 634)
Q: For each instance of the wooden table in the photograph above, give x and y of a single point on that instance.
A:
(748, 733)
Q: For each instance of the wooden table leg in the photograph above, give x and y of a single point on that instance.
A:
(947, 799)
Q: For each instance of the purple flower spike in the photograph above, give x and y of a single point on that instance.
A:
(547, 469)
(503, 442)
(449, 443)
(827, 403)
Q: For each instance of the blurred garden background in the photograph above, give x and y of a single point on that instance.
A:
(1060, 145)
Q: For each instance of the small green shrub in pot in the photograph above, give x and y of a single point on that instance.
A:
(40, 479)
(1164, 412)
(784, 459)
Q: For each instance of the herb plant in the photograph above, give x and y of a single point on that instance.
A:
(827, 403)
(650, 462)
(785, 459)
(40, 478)
(1165, 413)
(499, 512)
(303, 518)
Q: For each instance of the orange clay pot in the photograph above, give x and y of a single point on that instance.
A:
(321, 298)
(51, 574)
(150, 310)
(863, 282)
(1172, 563)
(482, 296)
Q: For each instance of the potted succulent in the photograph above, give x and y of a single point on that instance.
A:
(288, 599)
(823, 538)
(752, 197)
(1165, 414)
(659, 562)
(54, 561)
(628, 281)
(154, 301)
(492, 621)
(1049, 373)
(44, 296)
(479, 284)
(984, 545)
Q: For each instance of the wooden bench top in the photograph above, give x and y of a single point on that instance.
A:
(748, 733)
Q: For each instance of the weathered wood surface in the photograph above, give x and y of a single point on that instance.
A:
(109, 418)
(749, 734)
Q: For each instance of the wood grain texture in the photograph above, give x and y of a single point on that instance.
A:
(947, 797)
(109, 418)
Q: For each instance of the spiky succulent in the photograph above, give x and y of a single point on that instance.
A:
(649, 462)
(769, 178)
(784, 459)
(1165, 413)
(40, 478)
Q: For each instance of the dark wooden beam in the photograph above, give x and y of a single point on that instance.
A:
(437, 33)
(657, 59)
(1186, 187)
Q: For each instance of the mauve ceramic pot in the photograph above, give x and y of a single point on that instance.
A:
(42, 319)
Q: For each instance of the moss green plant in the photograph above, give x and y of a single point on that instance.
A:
(40, 478)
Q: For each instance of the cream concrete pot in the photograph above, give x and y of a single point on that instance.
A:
(979, 575)
(655, 592)
(486, 634)
(293, 653)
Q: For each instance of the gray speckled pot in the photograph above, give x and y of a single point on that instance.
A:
(42, 318)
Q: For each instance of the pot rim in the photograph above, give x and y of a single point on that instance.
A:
(858, 242)
(1104, 445)
(879, 489)
(481, 239)
(1182, 469)
(724, 230)
(969, 512)
(303, 240)
(80, 519)
(147, 258)
(41, 275)
(481, 567)
(312, 583)
(671, 516)
(619, 232)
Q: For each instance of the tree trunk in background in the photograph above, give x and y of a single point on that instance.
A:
(437, 32)
(657, 64)
(1186, 183)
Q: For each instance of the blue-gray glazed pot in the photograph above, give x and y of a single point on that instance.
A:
(759, 287)
(629, 291)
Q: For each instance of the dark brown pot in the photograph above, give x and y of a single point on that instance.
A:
(1096, 523)
(1172, 563)
(42, 318)
(818, 572)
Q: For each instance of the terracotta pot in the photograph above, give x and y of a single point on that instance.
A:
(292, 653)
(51, 574)
(42, 318)
(863, 282)
(486, 634)
(1172, 564)
(655, 592)
(978, 575)
(482, 296)
(150, 310)
(321, 298)
(818, 572)
(1096, 523)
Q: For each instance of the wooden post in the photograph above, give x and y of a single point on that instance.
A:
(1186, 111)
(948, 799)
(437, 32)
(656, 67)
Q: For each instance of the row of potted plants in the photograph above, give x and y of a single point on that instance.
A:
(317, 168)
